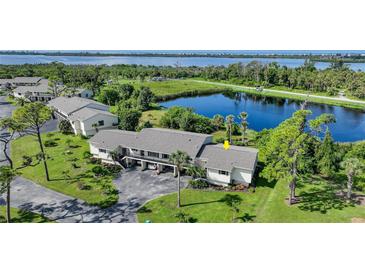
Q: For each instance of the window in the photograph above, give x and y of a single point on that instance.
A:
(102, 150)
(223, 172)
(101, 123)
(165, 156)
(152, 154)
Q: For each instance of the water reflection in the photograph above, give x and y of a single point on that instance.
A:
(268, 112)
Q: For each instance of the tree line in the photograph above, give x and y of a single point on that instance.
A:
(338, 77)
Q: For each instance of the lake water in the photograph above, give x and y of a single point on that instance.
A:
(268, 112)
(155, 61)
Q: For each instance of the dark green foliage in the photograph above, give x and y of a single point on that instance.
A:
(50, 143)
(100, 171)
(198, 184)
(185, 119)
(144, 98)
(129, 118)
(326, 156)
(109, 95)
(65, 127)
(27, 160)
(86, 155)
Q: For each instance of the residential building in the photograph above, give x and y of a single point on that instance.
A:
(36, 90)
(152, 147)
(26, 81)
(86, 116)
(5, 84)
(79, 92)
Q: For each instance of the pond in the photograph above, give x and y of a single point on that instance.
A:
(268, 112)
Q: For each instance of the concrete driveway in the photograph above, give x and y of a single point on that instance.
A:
(135, 188)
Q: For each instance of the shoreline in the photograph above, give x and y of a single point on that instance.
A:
(335, 101)
(354, 59)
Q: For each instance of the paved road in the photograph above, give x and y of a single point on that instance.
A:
(341, 98)
(135, 188)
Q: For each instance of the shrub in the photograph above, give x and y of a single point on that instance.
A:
(86, 155)
(113, 168)
(95, 160)
(100, 171)
(65, 127)
(50, 134)
(198, 184)
(50, 143)
(27, 160)
(75, 165)
(83, 186)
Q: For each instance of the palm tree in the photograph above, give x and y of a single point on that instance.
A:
(20, 101)
(7, 175)
(352, 167)
(229, 122)
(179, 159)
(244, 125)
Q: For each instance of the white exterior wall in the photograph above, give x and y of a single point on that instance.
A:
(18, 95)
(105, 157)
(214, 176)
(243, 176)
(88, 130)
(76, 126)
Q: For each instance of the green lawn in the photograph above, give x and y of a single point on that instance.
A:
(79, 183)
(172, 88)
(319, 204)
(154, 116)
(22, 216)
(205, 206)
(268, 204)
(270, 92)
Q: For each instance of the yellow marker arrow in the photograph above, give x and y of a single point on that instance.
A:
(226, 145)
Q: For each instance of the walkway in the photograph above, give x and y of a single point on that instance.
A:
(340, 99)
(135, 189)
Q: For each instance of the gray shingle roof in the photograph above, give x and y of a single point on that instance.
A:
(43, 87)
(153, 139)
(86, 113)
(217, 157)
(169, 141)
(112, 138)
(69, 105)
(27, 80)
(5, 81)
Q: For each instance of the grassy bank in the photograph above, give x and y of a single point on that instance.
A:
(70, 171)
(22, 216)
(287, 95)
(171, 89)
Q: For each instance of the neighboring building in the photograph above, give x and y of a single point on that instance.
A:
(26, 81)
(152, 147)
(33, 92)
(79, 92)
(86, 116)
(5, 84)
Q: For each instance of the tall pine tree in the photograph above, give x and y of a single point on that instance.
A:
(326, 155)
